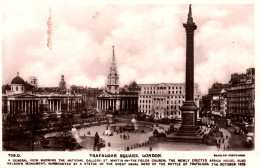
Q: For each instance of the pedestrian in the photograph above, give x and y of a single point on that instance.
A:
(223, 140)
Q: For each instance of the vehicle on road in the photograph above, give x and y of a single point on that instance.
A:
(228, 123)
(237, 131)
(249, 140)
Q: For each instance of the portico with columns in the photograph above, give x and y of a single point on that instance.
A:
(28, 104)
(31, 104)
(117, 102)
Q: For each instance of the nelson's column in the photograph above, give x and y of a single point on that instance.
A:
(189, 109)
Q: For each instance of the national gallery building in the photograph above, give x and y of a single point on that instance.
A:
(23, 97)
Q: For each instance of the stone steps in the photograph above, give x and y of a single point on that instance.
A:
(195, 139)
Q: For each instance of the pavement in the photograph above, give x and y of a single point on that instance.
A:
(225, 141)
(116, 141)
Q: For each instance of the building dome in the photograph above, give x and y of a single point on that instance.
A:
(18, 80)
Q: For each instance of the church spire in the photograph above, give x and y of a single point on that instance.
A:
(113, 58)
(49, 44)
(113, 78)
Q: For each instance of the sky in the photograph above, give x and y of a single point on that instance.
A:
(149, 40)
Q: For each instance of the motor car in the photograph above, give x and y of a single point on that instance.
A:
(228, 122)
(249, 140)
(237, 131)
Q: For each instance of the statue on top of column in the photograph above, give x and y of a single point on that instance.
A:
(190, 19)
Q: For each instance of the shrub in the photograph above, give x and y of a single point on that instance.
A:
(155, 132)
(161, 134)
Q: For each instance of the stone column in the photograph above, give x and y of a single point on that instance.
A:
(57, 105)
(189, 108)
(32, 106)
(49, 101)
(25, 106)
(11, 106)
(51, 105)
(36, 107)
(22, 108)
(97, 105)
(8, 106)
(68, 104)
(114, 104)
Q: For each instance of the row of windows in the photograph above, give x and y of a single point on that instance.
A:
(145, 106)
(160, 88)
(145, 101)
(145, 97)
(168, 97)
(16, 88)
(168, 102)
(160, 92)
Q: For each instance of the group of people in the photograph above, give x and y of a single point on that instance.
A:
(222, 141)
(137, 145)
(124, 136)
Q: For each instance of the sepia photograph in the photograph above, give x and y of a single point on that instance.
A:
(138, 77)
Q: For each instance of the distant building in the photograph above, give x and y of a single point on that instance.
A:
(218, 98)
(206, 102)
(33, 81)
(112, 98)
(90, 97)
(164, 99)
(62, 85)
(132, 87)
(223, 103)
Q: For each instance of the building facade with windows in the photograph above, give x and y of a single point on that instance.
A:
(241, 95)
(236, 99)
(164, 99)
(217, 93)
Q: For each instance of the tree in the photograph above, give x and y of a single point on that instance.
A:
(34, 123)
